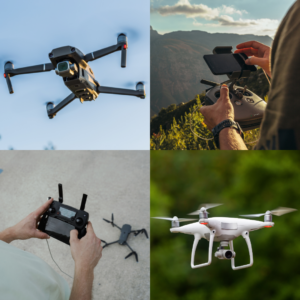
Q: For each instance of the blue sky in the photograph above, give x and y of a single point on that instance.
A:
(30, 30)
(242, 17)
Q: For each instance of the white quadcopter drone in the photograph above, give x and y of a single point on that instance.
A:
(223, 230)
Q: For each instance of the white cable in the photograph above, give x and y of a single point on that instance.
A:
(55, 261)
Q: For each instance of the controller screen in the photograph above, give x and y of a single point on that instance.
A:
(67, 213)
(58, 227)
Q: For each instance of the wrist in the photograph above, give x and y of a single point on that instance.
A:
(83, 270)
(8, 235)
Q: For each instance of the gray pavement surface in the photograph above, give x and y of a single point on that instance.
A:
(115, 181)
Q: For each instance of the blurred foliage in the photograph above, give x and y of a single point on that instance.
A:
(246, 183)
(180, 136)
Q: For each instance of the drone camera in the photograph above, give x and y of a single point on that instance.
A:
(66, 69)
(224, 254)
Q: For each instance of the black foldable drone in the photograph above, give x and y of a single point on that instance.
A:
(72, 65)
(125, 231)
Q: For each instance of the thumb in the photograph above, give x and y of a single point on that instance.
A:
(254, 61)
(224, 92)
(73, 236)
(41, 235)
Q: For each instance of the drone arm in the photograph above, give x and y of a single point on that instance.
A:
(107, 244)
(10, 72)
(117, 91)
(131, 253)
(247, 239)
(29, 70)
(55, 109)
(137, 232)
(103, 52)
(196, 240)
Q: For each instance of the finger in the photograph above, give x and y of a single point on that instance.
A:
(250, 44)
(41, 235)
(73, 236)
(247, 51)
(224, 92)
(255, 61)
(90, 228)
(43, 208)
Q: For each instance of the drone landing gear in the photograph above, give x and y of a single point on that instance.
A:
(53, 110)
(196, 240)
(247, 239)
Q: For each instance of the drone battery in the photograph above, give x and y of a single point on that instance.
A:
(57, 228)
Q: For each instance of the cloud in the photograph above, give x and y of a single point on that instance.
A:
(184, 7)
(218, 17)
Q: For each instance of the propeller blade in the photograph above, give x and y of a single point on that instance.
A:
(106, 221)
(282, 210)
(279, 211)
(253, 216)
(172, 219)
(205, 205)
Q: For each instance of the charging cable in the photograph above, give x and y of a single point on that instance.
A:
(55, 261)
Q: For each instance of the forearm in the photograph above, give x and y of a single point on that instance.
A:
(7, 235)
(230, 139)
(82, 284)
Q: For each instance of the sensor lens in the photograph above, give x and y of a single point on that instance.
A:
(63, 66)
(228, 254)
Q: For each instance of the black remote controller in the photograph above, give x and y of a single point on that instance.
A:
(60, 219)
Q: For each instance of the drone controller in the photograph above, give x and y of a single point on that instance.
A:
(248, 107)
(60, 219)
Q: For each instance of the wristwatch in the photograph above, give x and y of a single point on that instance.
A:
(224, 124)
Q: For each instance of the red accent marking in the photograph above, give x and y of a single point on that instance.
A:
(125, 46)
(4, 75)
(203, 223)
(268, 226)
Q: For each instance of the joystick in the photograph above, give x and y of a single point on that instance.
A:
(60, 219)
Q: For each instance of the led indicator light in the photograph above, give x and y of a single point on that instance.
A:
(4, 75)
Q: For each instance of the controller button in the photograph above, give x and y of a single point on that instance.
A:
(238, 102)
(79, 221)
(51, 210)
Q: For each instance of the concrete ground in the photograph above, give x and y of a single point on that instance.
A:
(115, 181)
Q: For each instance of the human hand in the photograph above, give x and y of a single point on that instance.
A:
(220, 111)
(86, 251)
(259, 54)
(27, 228)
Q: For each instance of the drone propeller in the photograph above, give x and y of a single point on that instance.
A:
(132, 34)
(205, 206)
(132, 83)
(174, 219)
(276, 212)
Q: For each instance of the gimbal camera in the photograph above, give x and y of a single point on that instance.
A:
(248, 107)
(72, 65)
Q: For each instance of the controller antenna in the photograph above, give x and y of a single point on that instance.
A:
(60, 193)
(83, 201)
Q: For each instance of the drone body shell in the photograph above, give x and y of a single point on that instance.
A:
(226, 229)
